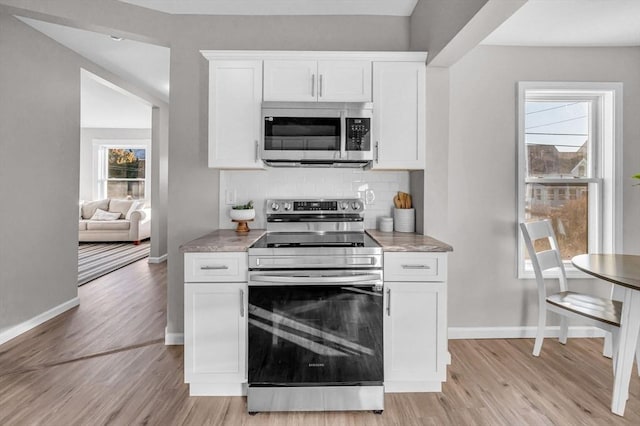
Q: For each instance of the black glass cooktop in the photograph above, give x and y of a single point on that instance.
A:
(303, 239)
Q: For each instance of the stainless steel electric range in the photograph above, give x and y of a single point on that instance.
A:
(315, 310)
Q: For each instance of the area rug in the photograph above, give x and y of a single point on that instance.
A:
(98, 259)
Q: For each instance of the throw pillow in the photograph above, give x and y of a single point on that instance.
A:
(104, 215)
(89, 209)
(137, 205)
(121, 206)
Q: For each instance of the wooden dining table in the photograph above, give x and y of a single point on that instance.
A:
(623, 270)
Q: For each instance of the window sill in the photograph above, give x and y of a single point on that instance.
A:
(571, 272)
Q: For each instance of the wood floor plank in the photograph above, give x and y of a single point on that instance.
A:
(105, 363)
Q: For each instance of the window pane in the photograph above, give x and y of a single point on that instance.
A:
(126, 163)
(557, 138)
(568, 214)
(121, 189)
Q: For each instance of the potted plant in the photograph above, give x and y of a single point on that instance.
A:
(243, 212)
(636, 176)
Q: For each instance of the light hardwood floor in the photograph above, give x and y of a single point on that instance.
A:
(105, 363)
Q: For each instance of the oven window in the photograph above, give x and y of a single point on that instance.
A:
(315, 335)
(302, 134)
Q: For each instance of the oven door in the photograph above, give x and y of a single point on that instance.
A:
(315, 328)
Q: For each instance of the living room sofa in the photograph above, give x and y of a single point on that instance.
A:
(114, 220)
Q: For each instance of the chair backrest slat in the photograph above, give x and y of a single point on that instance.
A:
(548, 259)
(544, 259)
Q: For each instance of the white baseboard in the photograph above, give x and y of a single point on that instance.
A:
(159, 259)
(519, 332)
(27, 325)
(173, 338)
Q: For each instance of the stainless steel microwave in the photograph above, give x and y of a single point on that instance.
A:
(298, 135)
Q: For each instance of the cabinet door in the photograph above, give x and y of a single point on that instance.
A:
(290, 81)
(235, 95)
(344, 81)
(215, 332)
(399, 115)
(415, 332)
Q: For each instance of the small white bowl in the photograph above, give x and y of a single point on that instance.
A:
(245, 214)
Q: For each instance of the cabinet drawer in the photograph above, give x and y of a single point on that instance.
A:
(414, 266)
(215, 267)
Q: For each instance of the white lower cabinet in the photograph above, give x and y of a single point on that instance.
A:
(415, 322)
(215, 334)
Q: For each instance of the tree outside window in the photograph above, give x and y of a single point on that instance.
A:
(125, 173)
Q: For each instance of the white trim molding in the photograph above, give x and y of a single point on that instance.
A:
(313, 55)
(158, 259)
(32, 323)
(528, 332)
(173, 338)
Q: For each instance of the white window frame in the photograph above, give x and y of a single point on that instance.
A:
(100, 147)
(605, 191)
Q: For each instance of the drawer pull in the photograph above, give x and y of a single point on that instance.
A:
(210, 268)
(416, 267)
(242, 303)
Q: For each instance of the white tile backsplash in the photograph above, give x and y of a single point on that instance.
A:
(377, 188)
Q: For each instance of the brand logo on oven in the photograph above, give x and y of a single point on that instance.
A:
(316, 364)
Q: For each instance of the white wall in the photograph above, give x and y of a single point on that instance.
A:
(261, 185)
(481, 202)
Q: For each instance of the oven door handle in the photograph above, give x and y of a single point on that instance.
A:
(320, 279)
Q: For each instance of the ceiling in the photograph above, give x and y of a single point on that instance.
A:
(280, 7)
(103, 105)
(571, 23)
(143, 65)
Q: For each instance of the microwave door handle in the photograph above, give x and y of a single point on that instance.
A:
(322, 279)
(343, 135)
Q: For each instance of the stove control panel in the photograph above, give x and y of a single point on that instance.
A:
(297, 206)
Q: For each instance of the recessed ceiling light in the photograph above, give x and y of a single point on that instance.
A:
(116, 38)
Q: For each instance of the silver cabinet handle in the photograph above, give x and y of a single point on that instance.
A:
(209, 268)
(416, 267)
(313, 85)
(242, 303)
(377, 152)
(389, 302)
(257, 149)
(320, 85)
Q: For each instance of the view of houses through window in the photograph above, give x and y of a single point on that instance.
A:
(558, 137)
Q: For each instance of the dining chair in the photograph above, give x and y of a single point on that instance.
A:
(593, 310)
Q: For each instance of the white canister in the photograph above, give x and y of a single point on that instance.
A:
(404, 220)
(386, 224)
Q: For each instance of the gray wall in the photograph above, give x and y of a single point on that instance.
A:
(39, 167)
(481, 205)
(435, 22)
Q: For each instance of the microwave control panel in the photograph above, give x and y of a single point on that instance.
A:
(358, 134)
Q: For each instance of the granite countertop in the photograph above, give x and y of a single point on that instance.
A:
(407, 241)
(223, 240)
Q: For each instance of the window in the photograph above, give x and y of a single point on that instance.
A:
(125, 173)
(123, 169)
(567, 162)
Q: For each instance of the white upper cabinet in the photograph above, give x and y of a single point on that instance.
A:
(322, 81)
(235, 96)
(399, 115)
(294, 81)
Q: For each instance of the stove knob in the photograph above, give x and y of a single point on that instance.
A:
(275, 206)
(355, 205)
(344, 205)
(287, 206)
